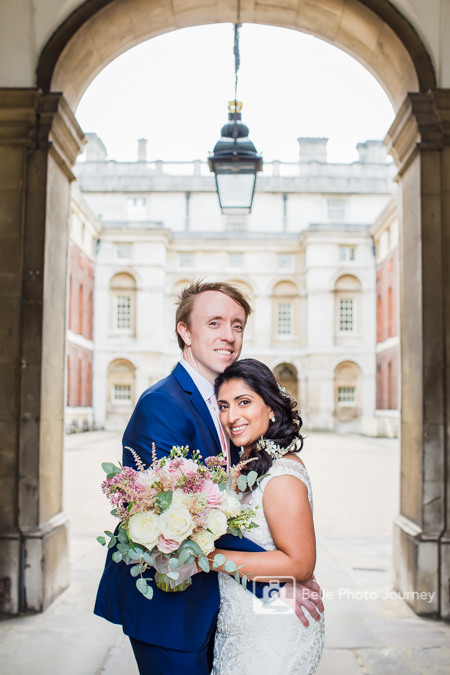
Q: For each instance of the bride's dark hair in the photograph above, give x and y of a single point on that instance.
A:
(287, 423)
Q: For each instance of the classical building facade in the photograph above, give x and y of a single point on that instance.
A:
(304, 257)
(50, 53)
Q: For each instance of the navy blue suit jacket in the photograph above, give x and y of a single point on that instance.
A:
(171, 412)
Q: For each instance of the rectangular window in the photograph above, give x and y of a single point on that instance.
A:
(123, 251)
(347, 253)
(186, 260)
(137, 208)
(236, 260)
(122, 392)
(336, 209)
(285, 261)
(347, 395)
(123, 312)
(284, 318)
(346, 323)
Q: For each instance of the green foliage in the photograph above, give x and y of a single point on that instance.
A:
(164, 500)
(101, 540)
(117, 557)
(219, 560)
(111, 469)
(203, 563)
(144, 588)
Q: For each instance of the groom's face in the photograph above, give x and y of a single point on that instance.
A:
(213, 339)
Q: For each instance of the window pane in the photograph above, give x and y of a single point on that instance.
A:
(123, 251)
(336, 209)
(285, 261)
(347, 253)
(123, 312)
(122, 392)
(346, 314)
(284, 318)
(347, 395)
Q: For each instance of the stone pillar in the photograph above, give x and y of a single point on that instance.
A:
(419, 140)
(39, 141)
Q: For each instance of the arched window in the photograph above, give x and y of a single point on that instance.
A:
(123, 304)
(347, 376)
(287, 378)
(348, 292)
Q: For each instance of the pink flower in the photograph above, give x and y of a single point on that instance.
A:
(167, 545)
(213, 493)
(181, 465)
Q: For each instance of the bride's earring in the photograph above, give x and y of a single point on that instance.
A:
(273, 418)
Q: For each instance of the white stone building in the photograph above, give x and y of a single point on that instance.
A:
(304, 256)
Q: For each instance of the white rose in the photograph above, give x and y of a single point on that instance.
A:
(217, 523)
(205, 540)
(180, 497)
(230, 504)
(176, 522)
(143, 529)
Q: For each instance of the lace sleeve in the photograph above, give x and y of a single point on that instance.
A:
(289, 467)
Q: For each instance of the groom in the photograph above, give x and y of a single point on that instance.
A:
(174, 632)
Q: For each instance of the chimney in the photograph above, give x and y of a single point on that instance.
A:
(312, 149)
(95, 148)
(372, 152)
(142, 150)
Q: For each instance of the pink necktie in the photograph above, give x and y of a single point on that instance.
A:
(224, 442)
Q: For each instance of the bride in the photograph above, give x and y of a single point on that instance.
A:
(257, 636)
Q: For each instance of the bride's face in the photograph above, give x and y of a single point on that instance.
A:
(243, 413)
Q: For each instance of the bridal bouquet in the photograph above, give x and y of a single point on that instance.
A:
(171, 514)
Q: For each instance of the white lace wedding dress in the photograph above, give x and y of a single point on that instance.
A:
(250, 640)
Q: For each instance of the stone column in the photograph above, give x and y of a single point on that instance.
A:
(419, 140)
(39, 141)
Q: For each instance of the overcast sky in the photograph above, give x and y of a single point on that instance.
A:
(174, 90)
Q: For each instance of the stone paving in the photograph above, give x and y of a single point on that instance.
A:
(370, 630)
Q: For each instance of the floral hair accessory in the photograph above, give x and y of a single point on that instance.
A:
(276, 451)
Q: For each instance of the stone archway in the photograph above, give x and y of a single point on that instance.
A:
(40, 142)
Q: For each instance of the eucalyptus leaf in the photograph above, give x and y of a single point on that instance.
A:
(109, 467)
(203, 563)
(229, 566)
(148, 558)
(123, 548)
(101, 540)
(185, 556)
(173, 575)
(113, 512)
(109, 534)
(244, 580)
(142, 586)
(134, 555)
(173, 562)
(164, 499)
(237, 577)
(135, 570)
(242, 483)
(251, 478)
(193, 547)
(219, 560)
(122, 536)
(112, 542)
(117, 557)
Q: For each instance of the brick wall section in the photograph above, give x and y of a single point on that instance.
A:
(387, 327)
(81, 292)
(79, 359)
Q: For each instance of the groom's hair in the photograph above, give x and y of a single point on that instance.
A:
(187, 296)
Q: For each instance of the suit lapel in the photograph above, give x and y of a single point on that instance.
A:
(188, 385)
